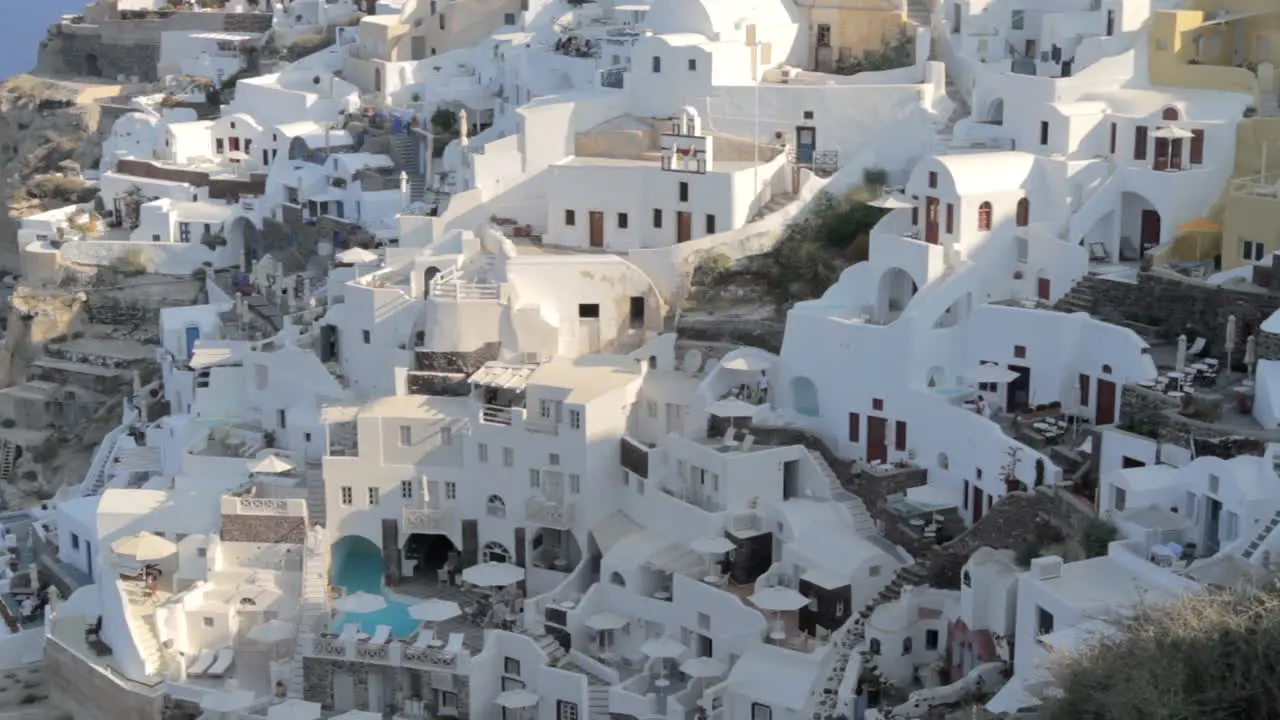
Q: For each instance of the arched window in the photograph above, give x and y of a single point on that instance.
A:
(943, 462)
(874, 645)
(617, 579)
(495, 552)
(906, 646)
(1170, 113)
(966, 578)
(984, 216)
(1024, 212)
(496, 506)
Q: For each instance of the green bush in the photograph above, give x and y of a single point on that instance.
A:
(306, 45)
(1096, 535)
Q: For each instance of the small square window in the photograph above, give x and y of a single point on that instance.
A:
(511, 666)
(451, 491)
(874, 571)
(877, 404)
(509, 19)
(553, 459)
(207, 621)
(1019, 351)
(347, 495)
(693, 64)
(711, 224)
(808, 114)
(569, 218)
(374, 497)
(622, 221)
(367, 336)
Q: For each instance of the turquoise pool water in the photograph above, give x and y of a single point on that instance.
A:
(357, 567)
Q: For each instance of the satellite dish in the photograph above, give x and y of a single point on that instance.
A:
(692, 361)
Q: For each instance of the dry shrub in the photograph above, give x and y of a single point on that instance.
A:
(1203, 657)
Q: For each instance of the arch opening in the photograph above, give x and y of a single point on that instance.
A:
(995, 112)
(429, 553)
(895, 292)
(804, 397)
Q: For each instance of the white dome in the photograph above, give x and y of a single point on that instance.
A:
(727, 20)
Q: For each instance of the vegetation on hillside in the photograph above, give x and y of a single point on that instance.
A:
(1202, 657)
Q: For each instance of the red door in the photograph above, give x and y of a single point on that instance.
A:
(597, 229)
(931, 220)
(1106, 403)
(876, 431)
(1042, 289)
(1162, 154)
(684, 226)
(1150, 229)
(979, 502)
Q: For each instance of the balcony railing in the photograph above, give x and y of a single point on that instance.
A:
(396, 654)
(428, 520)
(549, 514)
(1262, 186)
(495, 415)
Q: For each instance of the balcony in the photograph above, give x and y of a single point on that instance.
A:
(395, 654)
(438, 520)
(495, 415)
(1259, 186)
(549, 514)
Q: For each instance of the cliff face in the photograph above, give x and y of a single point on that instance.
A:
(43, 124)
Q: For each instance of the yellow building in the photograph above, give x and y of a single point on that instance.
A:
(1250, 208)
(841, 30)
(1217, 45)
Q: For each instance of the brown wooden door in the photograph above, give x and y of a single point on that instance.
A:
(855, 427)
(1106, 403)
(684, 226)
(597, 229)
(1162, 154)
(1084, 390)
(876, 432)
(931, 220)
(1175, 154)
(900, 436)
(1150, 229)
(1042, 288)
(1197, 147)
(979, 502)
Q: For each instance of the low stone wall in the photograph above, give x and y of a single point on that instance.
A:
(294, 241)
(89, 694)
(1155, 415)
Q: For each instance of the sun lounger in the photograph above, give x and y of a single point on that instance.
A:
(226, 656)
(381, 635)
(349, 632)
(455, 643)
(201, 664)
(425, 636)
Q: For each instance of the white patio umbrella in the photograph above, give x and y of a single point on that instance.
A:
(270, 465)
(662, 649)
(1250, 355)
(356, 256)
(778, 599)
(731, 408)
(516, 699)
(991, 373)
(144, 546)
(1172, 133)
(890, 202)
(294, 709)
(435, 610)
(1180, 360)
(493, 574)
(1231, 338)
(273, 633)
(703, 667)
(606, 621)
(743, 361)
(360, 603)
(712, 547)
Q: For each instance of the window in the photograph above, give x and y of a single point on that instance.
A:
(1044, 132)
(984, 216)
(496, 506)
(589, 311)
(218, 146)
(1140, 142)
(545, 408)
(874, 646)
(482, 452)
(451, 491)
(569, 218)
(1023, 213)
(1118, 496)
(684, 191)
(657, 64)
(575, 484)
(207, 621)
(511, 666)
(347, 495)
(808, 114)
(442, 21)
(657, 218)
(900, 436)
(622, 221)
(930, 639)
(281, 419)
(824, 35)
(75, 541)
(1020, 351)
(933, 179)
(651, 408)
(364, 334)
(1017, 19)
(711, 224)
(184, 232)
(566, 710)
(406, 436)
(965, 578)
(446, 436)
(877, 404)
(535, 478)
(906, 646)
(374, 497)
(508, 457)
(951, 218)
(575, 419)
(509, 19)
(553, 459)
(1044, 621)
(1251, 251)
(693, 64)
(761, 712)
(433, 7)
(1213, 484)
(406, 489)
(1197, 147)
(873, 571)
(855, 427)
(1114, 130)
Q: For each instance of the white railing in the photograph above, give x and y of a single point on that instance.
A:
(96, 478)
(395, 654)
(428, 520)
(495, 415)
(549, 514)
(1265, 185)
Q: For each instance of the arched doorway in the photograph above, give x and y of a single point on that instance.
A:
(804, 396)
(91, 65)
(895, 291)
(427, 276)
(1170, 114)
(995, 112)
(554, 549)
(244, 234)
(1141, 226)
(357, 564)
(494, 551)
(428, 554)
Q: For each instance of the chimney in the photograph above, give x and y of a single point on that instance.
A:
(1046, 568)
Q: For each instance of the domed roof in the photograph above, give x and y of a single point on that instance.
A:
(717, 19)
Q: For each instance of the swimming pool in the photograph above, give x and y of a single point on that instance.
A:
(357, 567)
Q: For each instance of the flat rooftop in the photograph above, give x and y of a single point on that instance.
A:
(586, 378)
(418, 407)
(1103, 581)
(719, 166)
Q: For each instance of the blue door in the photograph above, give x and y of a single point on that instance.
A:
(806, 143)
(193, 334)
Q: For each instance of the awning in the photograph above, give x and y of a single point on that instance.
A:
(206, 357)
(502, 376)
(613, 528)
(1200, 225)
(676, 559)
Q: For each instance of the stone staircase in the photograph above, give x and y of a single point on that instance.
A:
(776, 203)
(863, 524)
(314, 479)
(1080, 298)
(142, 617)
(8, 455)
(315, 609)
(555, 654)
(96, 479)
(1261, 538)
(405, 151)
(598, 702)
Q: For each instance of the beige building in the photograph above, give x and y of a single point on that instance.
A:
(842, 30)
(1218, 45)
(422, 29)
